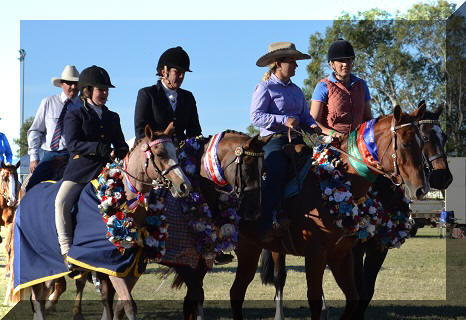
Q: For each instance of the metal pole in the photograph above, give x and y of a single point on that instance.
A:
(22, 58)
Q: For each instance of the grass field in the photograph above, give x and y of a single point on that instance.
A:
(409, 276)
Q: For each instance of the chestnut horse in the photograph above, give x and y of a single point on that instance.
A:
(10, 189)
(273, 268)
(154, 164)
(315, 235)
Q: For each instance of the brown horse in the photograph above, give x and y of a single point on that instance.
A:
(273, 268)
(152, 159)
(315, 235)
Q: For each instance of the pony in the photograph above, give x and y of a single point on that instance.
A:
(151, 162)
(273, 268)
(314, 233)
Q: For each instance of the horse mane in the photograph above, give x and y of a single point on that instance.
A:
(236, 132)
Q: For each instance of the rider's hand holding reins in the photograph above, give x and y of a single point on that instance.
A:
(104, 150)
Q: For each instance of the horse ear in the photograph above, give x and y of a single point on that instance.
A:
(148, 132)
(3, 165)
(251, 142)
(397, 113)
(419, 112)
(421, 103)
(170, 129)
(18, 164)
(266, 139)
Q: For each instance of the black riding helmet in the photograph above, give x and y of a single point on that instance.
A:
(94, 76)
(173, 58)
(340, 49)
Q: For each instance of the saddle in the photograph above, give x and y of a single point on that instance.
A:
(298, 155)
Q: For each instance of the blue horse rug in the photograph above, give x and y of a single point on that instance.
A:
(37, 256)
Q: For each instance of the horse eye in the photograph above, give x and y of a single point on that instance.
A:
(425, 138)
(162, 154)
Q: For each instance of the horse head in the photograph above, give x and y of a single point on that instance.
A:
(401, 132)
(434, 140)
(153, 162)
(240, 159)
(9, 184)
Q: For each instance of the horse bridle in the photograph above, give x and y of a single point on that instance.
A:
(161, 180)
(239, 188)
(416, 124)
(6, 196)
(426, 138)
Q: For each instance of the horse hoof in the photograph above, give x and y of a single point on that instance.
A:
(78, 317)
(50, 306)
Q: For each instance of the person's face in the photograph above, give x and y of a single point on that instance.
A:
(173, 78)
(287, 68)
(342, 67)
(70, 88)
(99, 96)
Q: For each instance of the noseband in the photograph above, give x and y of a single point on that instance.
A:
(426, 138)
(161, 180)
(5, 191)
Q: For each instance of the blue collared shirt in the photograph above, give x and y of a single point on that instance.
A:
(5, 150)
(321, 91)
(274, 102)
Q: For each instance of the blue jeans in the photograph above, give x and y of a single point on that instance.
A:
(50, 167)
(276, 166)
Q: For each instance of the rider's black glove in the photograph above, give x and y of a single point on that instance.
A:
(104, 150)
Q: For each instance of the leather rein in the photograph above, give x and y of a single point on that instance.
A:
(239, 187)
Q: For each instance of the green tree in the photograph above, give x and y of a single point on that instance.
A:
(401, 57)
(252, 131)
(22, 141)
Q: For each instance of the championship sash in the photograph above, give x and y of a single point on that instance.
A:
(211, 162)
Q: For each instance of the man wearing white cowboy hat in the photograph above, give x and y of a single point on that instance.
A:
(277, 105)
(46, 130)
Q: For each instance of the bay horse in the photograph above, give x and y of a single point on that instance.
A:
(151, 162)
(314, 233)
(273, 267)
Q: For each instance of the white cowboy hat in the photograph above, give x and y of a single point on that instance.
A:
(70, 73)
(281, 50)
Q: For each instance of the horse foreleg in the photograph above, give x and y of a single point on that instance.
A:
(80, 284)
(38, 301)
(56, 289)
(315, 267)
(342, 269)
(107, 294)
(194, 299)
(125, 299)
(375, 256)
(248, 256)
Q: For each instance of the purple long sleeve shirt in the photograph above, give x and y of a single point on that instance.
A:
(273, 102)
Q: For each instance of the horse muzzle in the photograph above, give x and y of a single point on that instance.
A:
(440, 179)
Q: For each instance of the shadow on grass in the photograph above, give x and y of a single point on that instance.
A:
(148, 310)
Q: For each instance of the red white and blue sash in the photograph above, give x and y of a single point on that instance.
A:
(211, 162)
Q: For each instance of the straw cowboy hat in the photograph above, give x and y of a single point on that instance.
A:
(281, 50)
(70, 73)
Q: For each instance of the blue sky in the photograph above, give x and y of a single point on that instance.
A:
(223, 39)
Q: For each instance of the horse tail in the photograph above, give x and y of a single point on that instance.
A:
(266, 267)
(177, 281)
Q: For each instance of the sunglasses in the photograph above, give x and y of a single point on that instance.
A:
(70, 83)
